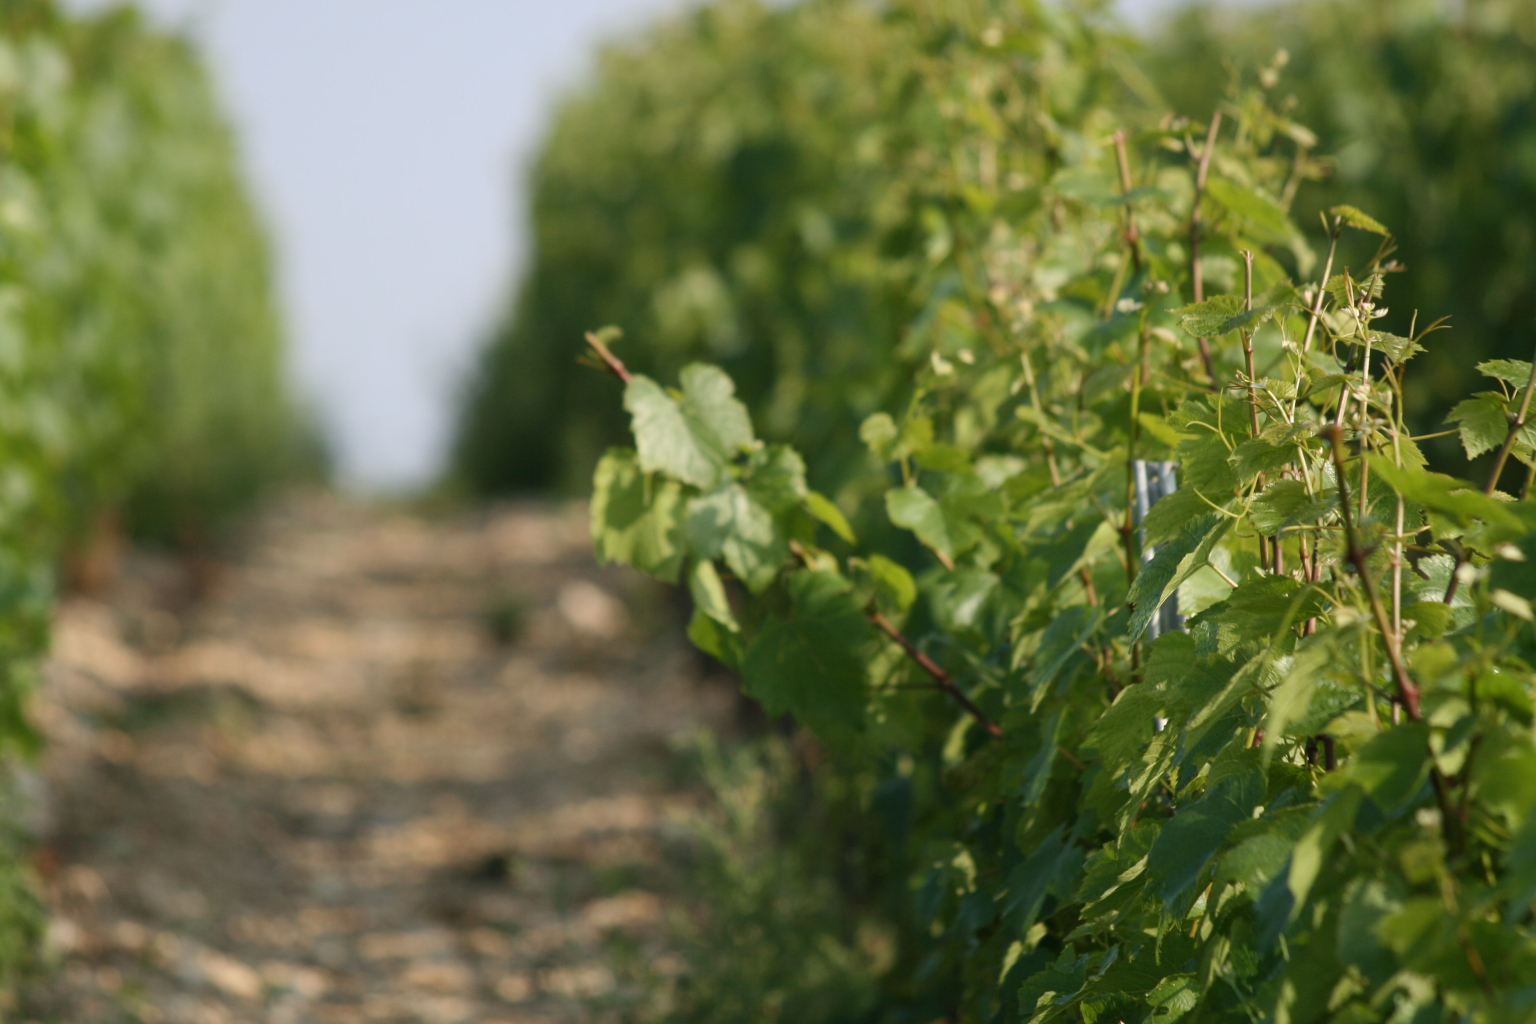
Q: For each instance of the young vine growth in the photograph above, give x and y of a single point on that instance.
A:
(1312, 802)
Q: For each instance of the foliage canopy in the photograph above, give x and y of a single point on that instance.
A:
(1312, 803)
(140, 357)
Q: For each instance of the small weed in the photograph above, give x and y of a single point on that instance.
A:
(506, 619)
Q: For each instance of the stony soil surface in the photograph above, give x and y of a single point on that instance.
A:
(327, 793)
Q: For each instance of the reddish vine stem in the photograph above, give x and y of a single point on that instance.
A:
(940, 677)
(1196, 270)
(1516, 425)
(612, 362)
(1407, 689)
(1132, 236)
(1253, 396)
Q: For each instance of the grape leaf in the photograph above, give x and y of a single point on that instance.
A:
(731, 523)
(829, 515)
(1285, 503)
(1511, 371)
(1174, 562)
(940, 527)
(715, 640)
(1204, 319)
(1264, 215)
(637, 520)
(813, 664)
(1187, 843)
(1446, 495)
(892, 580)
(1393, 766)
(1334, 819)
(709, 594)
(1355, 218)
(1484, 423)
(692, 439)
(775, 475)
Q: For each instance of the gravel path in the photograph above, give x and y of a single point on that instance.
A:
(326, 793)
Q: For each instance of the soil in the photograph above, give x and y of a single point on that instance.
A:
(393, 768)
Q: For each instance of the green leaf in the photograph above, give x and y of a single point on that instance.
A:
(731, 523)
(693, 439)
(1356, 219)
(1191, 838)
(1397, 347)
(1174, 562)
(1334, 819)
(1314, 655)
(829, 515)
(944, 458)
(1342, 287)
(892, 581)
(1080, 546)
(1158, 428)
(637, 520)
(1249, 319)
(1030, 882)
(715, 640)
(1265, 216)
(709, 594)
(1446, 495)
(1060, 643)
(914, 509)
(1516, 372)
(1205, 319)
(958, 598)
(713, 412)
(1258, 611)
(1484, 423)
(1393, 766)
(775, 475)
(879, 433)
(813, 664)
(665, 443)
(1276, 447)
(1285, 503)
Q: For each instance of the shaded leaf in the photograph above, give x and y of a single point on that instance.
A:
(709, 594)
(732, 524)
(1175, 561)
(637, 520)
(813, 664)
(1285, 503)
(1393, 766)
(1204, 319)
(915, 509)
(892, 580)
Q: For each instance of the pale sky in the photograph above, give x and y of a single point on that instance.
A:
(385, 141)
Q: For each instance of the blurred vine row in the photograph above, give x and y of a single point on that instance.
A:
(734, 186)
(903, 295)
(142, 387)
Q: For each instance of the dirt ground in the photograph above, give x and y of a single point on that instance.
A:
(328, 793)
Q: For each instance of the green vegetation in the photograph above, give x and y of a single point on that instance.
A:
(1313, 803)
(739, 187)
(140, 362)
(1426, 109)
(152, 269)
(745, 186)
